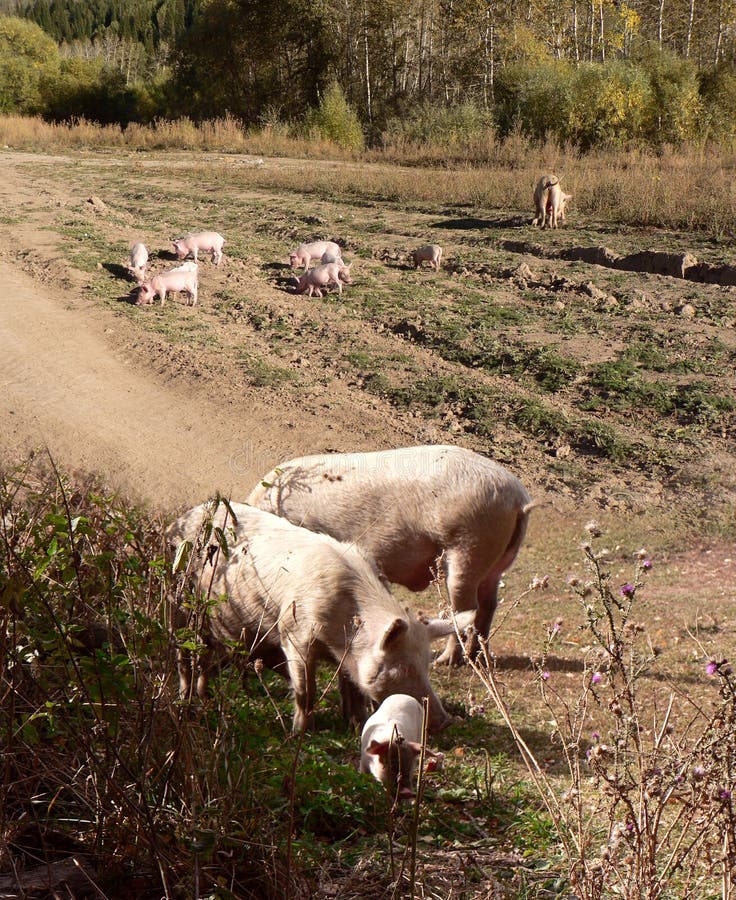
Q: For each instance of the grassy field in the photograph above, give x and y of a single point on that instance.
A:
(592, 756)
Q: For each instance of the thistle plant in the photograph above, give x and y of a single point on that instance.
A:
(647, 808)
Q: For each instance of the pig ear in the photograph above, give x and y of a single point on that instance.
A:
(395, 630)
(377, 748)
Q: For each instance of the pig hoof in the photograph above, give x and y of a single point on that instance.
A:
(452, 657)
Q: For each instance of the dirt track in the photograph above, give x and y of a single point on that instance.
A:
(68, 389)
(82, 383)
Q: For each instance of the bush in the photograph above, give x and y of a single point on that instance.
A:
(535, 97)
(718, 96)
(89, 90)
(27, 53)
(442, 126)
(674, 109)
(335, 120)
(610, 105)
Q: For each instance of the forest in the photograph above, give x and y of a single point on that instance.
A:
(588, 73)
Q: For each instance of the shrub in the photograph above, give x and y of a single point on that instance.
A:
(718, 95)
(535, 97)
(441, 126)
(609, 106)
(335, 120)
(27, 53)
(674, 108)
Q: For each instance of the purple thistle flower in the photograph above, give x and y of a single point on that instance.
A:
(646, 565)
(725, 795)
(596, 678)
(711, 668)
(596, 736)
(545, 676)
(627, 590)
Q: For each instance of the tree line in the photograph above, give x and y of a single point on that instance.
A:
(585, 71)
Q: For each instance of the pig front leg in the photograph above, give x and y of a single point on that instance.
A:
(304, 684)
(353, 702)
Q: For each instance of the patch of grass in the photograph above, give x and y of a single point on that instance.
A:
(261, 373)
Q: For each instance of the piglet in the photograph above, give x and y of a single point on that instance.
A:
(305, 253)
(137, 262)
(315, 280)
(187, 266)
(202, 241)
(431, 253)
(177, 280)
(391, 743)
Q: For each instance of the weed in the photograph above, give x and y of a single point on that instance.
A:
(646, 802)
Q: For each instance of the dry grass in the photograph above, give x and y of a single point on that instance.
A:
(689, 188)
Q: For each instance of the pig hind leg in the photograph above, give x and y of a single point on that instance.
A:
(462, 586)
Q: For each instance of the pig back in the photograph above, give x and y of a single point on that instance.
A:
(428, 497)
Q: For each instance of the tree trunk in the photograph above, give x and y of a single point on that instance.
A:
(368, 98)
(660, 23)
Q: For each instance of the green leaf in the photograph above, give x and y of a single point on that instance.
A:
(181, 555)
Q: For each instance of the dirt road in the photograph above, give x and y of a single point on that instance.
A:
(66, 391)
(70, 388)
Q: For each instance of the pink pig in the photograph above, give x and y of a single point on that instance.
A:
(177, 280)
(305, 253)
(315, 280)
(431, 253)
(204, 241)
(137, 261)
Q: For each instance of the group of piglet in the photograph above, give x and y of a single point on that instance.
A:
(181, 279)
(331, 271)
(301, 571)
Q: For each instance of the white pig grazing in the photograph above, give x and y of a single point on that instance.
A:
(284, 588)
(183, 279)
(137, 262)
(391, 743)
(202, 241)
(431, 253)
(320, 278)
(549, 202)
(328, 257)
(409, 508)
(305, 253)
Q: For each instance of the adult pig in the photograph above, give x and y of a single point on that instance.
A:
(311, 597)
(201, 242)
(408, 509)
(320, 278)
(174, 281)
(305, 253)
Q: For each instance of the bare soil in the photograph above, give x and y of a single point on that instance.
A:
(170, 422)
